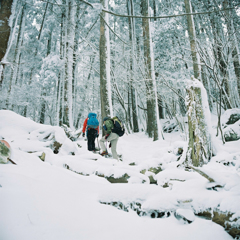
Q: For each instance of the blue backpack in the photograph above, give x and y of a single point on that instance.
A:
(92, 121)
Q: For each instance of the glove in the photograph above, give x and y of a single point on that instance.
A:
(83, 134)
(110, 145)
(106, 136)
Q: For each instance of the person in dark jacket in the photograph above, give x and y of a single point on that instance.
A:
(110, 137)
(91, 126)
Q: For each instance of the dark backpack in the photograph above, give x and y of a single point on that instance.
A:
(92, 121)
(118, 126)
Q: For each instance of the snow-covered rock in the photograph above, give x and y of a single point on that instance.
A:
(186, 215)
(232, 132)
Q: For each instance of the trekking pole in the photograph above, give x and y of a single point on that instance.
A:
(98, 145)
(10, 160)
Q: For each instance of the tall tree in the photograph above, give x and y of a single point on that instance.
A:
(130, 8)
(199, 137)
(5, 13)
(192, 39)
(104, 48)
(67, 119)
(152, 106)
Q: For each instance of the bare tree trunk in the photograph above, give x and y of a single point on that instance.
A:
(74, 70)
(5, 13)
(160, 107)
(60, 107)
(105, 81)
(152, 106)
(17, 53)
(192, 38)
(131, 21)
(71, 14)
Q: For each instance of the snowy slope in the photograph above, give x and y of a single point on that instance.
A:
(43, 200)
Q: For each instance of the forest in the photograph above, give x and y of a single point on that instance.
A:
(170, 70)
(139, 54)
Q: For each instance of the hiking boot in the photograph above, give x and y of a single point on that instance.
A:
(104, 153)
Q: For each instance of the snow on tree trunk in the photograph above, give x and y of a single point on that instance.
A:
(16, 54)
(131, 21)
(153, 124)
(19, 45)
(192, 38)
(199, 124)
(69, 63)
(105, 81)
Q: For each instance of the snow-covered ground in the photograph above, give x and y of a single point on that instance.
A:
(44, 200)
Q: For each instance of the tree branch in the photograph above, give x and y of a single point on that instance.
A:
(168, 16)
(112, 30)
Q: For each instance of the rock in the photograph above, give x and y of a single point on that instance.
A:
(224, 219)
(152, 179)
(42, 157)
(180, 151)
(233, 118)
(230, 116)
(137, 207)
(56, 146)
(123, 179)
(155, 170)
(232, 132)
(132, 164)
(186, 215)
(80, 173)
(151, 172)
(170, 126)
(213, 186)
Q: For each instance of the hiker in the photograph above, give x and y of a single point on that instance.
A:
(110, 137)
(91, 125)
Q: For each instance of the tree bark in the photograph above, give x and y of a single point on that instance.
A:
(104, 52)
(5, 13)
(71, 13)
(199, 141)
(192, 39)
(16, 58)
(152, 106)
(131, 22)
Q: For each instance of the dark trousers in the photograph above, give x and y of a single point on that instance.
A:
(91, 136)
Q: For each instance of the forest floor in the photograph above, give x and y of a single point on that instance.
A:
(45, 200)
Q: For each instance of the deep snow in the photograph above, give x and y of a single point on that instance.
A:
(43, 200)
